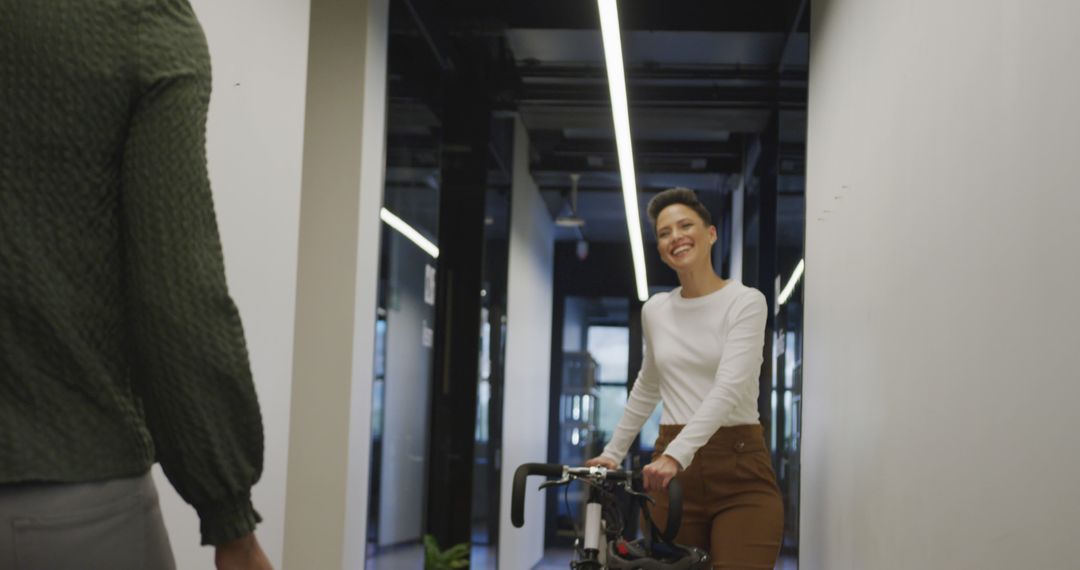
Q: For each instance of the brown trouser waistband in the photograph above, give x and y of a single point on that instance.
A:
(749, 436)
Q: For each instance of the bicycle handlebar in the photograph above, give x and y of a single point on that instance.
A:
(517, 504)
(674, 518)
(548, 470)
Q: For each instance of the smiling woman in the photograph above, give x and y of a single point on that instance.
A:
(703, 355)
(684, 234)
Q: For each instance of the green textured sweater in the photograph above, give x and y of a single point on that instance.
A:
(119, 343)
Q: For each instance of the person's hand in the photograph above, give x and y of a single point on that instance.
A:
(601, 461)
(241, 554)
(659, 473)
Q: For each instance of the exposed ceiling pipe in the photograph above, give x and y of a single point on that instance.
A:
(791, 33)
(445, 62)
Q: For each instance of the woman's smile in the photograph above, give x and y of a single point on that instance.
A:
(681, 250)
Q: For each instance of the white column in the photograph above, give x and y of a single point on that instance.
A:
(530, 288)
(940, 380)
(738, 201)
(344, 139)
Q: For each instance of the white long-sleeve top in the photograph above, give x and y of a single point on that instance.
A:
(702, 359)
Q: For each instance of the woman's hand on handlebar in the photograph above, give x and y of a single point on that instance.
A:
(601, 461)
(659, 473)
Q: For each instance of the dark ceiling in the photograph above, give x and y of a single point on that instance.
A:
(705, 80)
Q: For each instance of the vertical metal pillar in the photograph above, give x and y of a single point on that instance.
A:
(768, 168)
(466, 134)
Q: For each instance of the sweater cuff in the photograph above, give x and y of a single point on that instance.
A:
(618, 460)
(680, 454)
(227, 520)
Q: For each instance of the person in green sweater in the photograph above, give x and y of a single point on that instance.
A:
(119, 343)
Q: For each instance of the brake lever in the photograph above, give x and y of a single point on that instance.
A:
(554, 483)
(630, 491)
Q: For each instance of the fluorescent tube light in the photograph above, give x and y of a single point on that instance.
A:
(609, 27)
(408, 231)
(795, 276)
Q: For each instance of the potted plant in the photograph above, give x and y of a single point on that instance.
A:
(450, 559)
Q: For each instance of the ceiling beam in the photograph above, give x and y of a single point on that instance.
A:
(646, 119)
(670, 15)
(651, 95)
(647, 148)
(536, 73)
(643, 164)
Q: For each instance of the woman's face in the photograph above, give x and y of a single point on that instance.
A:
(682, 238)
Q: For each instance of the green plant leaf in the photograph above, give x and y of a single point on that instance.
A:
(431, 552)
(457, 551)
(452, 558)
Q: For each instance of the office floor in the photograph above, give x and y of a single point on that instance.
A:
(559, 559)
(410, 556)
(483, 558)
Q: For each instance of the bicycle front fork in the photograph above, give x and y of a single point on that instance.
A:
(593, 548)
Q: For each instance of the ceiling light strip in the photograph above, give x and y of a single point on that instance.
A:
(408, 231)
(795, 276)
(609, 26)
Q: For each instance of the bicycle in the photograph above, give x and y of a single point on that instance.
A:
(600, 545)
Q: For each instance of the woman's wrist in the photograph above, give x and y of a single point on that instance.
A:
(673, 460)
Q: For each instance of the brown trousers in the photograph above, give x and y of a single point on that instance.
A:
(732, 507)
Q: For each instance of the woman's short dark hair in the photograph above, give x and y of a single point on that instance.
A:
(684, 196)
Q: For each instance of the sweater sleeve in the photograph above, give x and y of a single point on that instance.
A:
(192, 372)
(639, 406)
(736, 375)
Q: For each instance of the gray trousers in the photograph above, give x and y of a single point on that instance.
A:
(105, 525)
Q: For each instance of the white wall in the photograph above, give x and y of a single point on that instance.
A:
(255, 136)
(941, 385)
(528, 356)
(407, 396)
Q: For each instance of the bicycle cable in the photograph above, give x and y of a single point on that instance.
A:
(569, 512)
(615, 511)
